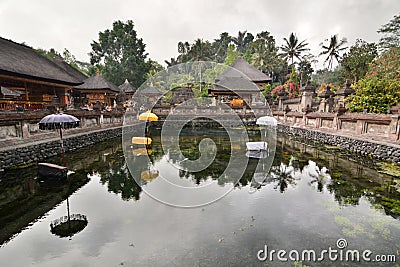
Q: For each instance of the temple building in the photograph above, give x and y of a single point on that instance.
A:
(95, 90)
(240, 82)
(31, 81)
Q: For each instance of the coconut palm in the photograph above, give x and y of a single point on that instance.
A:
(333, 49)
(293, 48)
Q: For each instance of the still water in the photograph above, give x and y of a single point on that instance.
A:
(311, 198)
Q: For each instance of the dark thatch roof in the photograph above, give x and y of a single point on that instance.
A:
(70, 70)
(150, 91)
(245, 68)
(22, 61)
(126, 87)
(97, 83)
(235, 84)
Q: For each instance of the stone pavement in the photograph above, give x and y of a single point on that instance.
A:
(49, 135)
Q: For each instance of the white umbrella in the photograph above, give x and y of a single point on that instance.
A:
(59, 121)
(267, 120)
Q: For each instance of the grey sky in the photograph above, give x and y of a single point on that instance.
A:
(162, 24)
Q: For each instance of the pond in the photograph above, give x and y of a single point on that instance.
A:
(313, 199)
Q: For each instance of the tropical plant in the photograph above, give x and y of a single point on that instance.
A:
(293, 48)
(379, 89)
(333, 49)
(391, 34)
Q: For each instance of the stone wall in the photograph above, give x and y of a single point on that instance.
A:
(358, 146)
(49, 148)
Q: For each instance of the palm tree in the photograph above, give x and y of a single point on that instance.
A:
(293, 48)
(333, 49)
(242, 41)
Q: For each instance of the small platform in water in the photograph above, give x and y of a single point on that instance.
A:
(50, 170)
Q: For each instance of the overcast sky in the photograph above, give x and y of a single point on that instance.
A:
(162, 24)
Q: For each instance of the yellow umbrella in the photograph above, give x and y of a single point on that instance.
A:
(149, 175)
(148, 116)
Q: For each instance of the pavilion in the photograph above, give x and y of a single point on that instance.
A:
(95, 90)
(242, 81)
(31, 81)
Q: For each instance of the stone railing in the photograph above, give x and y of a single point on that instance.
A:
(376, 126)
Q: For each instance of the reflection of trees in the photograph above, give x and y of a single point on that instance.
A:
(116, 174)
(282, 176)
(318, 176)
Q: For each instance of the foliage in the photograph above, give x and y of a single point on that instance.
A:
(379, 89)
(122, 54)
(291, 86)
(333, 49)
(391, 34)
(231, 55)
(355, 63)
(375, 95)
(293, 48)
(334, 77)
(333, 87)
(305, 70)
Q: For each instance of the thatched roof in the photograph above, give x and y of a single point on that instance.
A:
(70, 70)
(97, 83)
(126, 87)
(22, 61)
(235, 84)
(245, 68)
(150, 91)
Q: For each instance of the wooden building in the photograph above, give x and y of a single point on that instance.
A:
(95, 90)
(242, 81)
(31, 81)
(126, 91)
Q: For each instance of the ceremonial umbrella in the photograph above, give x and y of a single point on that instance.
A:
(59, 121)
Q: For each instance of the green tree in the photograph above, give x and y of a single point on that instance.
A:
(391, 33)
(293, 48)
(231, 55)
(355, 63)
(305, 70)
(242, 41)
(122, 53)
(220, 46)
(379, 89)
(333, 49)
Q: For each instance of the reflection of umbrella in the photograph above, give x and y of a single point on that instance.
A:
(149, 175)
(141, 151)
(148, 116)
(67, 226)
(58, 121)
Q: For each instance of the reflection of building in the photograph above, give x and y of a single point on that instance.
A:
(29, 80)
(242, 81)
(96, 89)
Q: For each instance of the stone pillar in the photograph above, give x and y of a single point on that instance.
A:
(343, 93)
(395, 127)
(326, 96)
(307, 95)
